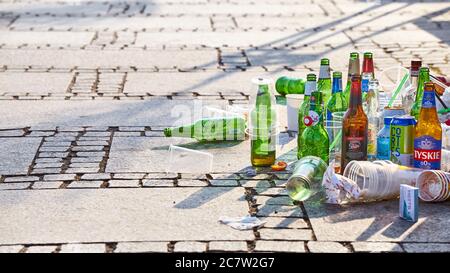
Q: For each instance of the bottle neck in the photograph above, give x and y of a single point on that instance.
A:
(368, 66)
(337, 85)
(355, 95)
(423, 78)
(324, 72)
(428, 110)
(310, 87)
(353, 68)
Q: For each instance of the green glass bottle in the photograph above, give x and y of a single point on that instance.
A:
(263, 126)
(314, 138)
(211, 129)
(353, 69)
(310, 86)
(287, 85)
(337, 102)
(324, 81)
(424, 76)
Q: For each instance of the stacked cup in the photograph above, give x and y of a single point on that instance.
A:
(380, 179)
(434, 186)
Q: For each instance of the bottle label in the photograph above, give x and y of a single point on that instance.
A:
(312, 118)
(427, 153)
(428, 100)
(355, 147)
(324, 72)
(372, 138)
(365, 85)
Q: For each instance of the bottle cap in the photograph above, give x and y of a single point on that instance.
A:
(368, 55)
(337, 74)
(325, 61)
(311, 77)
(415, 65)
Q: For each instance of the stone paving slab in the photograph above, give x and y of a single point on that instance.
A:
(40, 83)
(136, 214)
(379, 222)
(108, 59)
(16, 154)
(43, 38)
(101, 113)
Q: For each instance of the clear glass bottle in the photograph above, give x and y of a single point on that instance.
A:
(372, 105)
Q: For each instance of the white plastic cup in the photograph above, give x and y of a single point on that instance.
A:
(380, 179)
(293, 102)
(184, 160)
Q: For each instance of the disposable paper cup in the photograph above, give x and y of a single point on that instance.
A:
(293, 102)
(434, 186)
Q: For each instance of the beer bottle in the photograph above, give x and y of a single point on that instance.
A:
(408, 97)
(354, 127)
(324, 81)
(337, 101)
(353, 69)
(428, 133)
(263, 126)
(211, 129)
(314, 138)
(303, 111)
(287, 85)
(424, 76)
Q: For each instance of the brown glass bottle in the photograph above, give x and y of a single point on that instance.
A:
(354, 127)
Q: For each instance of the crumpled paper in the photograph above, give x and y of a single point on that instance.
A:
(242, 223)
(339, 189)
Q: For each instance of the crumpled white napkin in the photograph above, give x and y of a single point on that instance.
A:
(242, 223)
(339, 189)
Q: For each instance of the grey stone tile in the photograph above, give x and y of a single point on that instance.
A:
(158, 183)
(14, 186)
(96, 176)
(123, 183)
(83, 248)
(41, 249)
(84, 184)
(279, 246)
(59, 177)
(16, 154)
(426, 248)
(285, 234)
(280, 222)
(99, 210)
(219, 246)
(378, 222)
(139, 247)
(190, 247)
(376, 247)
(11, 249)
(326, 247)
(21, 179)
(46, 185)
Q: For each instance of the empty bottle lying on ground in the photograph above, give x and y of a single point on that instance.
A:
(287, 85)
(211, 129)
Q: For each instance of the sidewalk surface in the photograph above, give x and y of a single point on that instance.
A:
(86, 88)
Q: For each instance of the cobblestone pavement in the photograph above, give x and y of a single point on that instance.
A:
(86, 88)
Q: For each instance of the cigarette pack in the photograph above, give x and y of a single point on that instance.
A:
(409, 203)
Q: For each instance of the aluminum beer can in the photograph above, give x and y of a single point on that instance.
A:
(402, 140)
